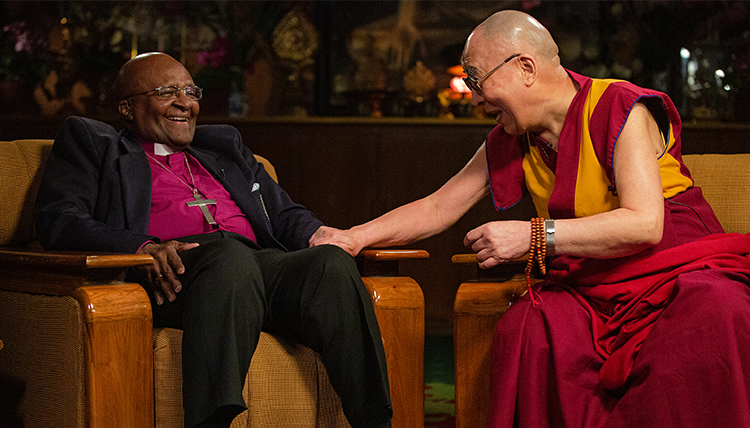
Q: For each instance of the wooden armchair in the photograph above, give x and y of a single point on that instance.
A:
(78, 349)
(479, 303)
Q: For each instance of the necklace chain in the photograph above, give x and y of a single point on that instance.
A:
(192, 187)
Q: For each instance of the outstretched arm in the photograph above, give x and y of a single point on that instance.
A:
(419, 219)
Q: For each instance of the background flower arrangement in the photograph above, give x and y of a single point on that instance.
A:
(63, 56)
(66, 53)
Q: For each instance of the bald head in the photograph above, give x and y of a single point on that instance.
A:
(520, 30)
(512, 31)
(134, 76)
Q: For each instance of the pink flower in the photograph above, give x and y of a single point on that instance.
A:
(219, 54)
(18, 29)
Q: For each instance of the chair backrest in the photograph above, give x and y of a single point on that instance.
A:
(725, 181)
(269, 168)
(21, 167)
(21, 164)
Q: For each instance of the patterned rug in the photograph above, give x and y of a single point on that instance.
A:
(439, 391)
(439, 406)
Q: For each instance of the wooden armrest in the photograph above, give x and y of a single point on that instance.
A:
(399, 307)
(393, 254)
(384, 262)
(61, 272)
(500, 273)
(477, 308)
(472, 258)
(118, 347)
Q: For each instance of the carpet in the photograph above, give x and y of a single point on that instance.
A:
(439, 390)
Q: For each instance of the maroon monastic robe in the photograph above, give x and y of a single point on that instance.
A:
(654, 339)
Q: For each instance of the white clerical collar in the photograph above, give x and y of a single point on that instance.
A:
(163, 150)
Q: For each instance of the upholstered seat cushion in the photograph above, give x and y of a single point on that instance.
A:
(286, 386)
(41, 361)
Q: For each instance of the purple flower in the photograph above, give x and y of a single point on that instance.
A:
(218, 55)
(23, 41)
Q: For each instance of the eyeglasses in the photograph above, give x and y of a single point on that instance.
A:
(476, 84)
(168, 92)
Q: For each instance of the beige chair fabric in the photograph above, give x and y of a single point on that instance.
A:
(41, 361)
(286, 386)
(20, 174)
(725, 181)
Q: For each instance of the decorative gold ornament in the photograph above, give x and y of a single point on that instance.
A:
(295, 40)
(419, 82)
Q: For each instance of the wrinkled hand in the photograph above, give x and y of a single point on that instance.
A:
(162, 275)
(332, 236)
(499, 242)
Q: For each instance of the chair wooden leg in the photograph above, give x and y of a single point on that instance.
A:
(477, 309)
(119, 355)
(399, 307)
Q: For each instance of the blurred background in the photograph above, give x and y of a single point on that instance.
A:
(360, 58)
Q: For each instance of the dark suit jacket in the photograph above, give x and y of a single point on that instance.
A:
(96, 190)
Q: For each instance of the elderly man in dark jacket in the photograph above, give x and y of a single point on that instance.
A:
(230, 248)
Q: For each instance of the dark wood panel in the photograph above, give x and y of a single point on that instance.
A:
(715, 137)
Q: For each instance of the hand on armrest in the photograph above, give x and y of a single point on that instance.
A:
(59, 272)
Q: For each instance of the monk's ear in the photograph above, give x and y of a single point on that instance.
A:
(125, 109)
(528, 69)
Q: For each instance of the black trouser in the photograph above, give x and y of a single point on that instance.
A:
(232, 290)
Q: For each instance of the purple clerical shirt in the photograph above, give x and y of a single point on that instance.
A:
(171, 217)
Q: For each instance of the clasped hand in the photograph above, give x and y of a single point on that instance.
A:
(499, 242)
(332, 236)
(162, 274)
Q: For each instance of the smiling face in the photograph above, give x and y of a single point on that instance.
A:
(514, 94)
(480, 56)
(170, 121)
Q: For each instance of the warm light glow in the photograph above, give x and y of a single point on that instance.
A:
(134, 46)
(458, 85)
(457, 70)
